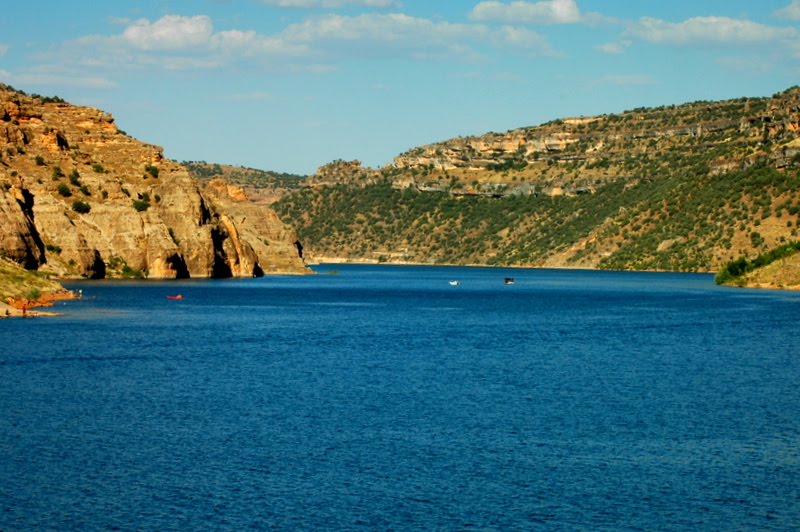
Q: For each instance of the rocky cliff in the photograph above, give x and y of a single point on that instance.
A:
(79, 197)
(590, 151)
(342, 172)
(582, 154)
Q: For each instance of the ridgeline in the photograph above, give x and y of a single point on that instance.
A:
(681, 188)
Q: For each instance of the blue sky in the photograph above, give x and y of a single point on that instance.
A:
(289, 85)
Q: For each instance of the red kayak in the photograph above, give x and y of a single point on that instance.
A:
(175, 297)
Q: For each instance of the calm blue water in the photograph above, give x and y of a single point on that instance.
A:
(384, 398)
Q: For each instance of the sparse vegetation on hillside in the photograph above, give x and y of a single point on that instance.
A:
(17, 282)
(734, 271)
(684, 223)
(242, 176)
(685, 188)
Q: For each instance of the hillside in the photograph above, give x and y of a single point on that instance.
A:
(261, 186)
(81, 198)
(782, 274)
(777, 268)
(17, 283)
(680, 187)
(22, 290)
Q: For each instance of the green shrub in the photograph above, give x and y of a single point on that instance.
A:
(141, 205)
(64, 190)
(132, 273)
(40, 161)
(98, 168)
(57, 173)
(81, 207)
(152, 170)
(75, 178)
(33, 294)
(48, 99)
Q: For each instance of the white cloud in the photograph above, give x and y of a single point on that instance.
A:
(315, 44)
(330, 3)
(614, 47)
(792, 11)
(251, 44)
(524, 38)
(171, 32)
(714, 30)
(392, 28)
(174, 43)
(543, 12)
(400, 32)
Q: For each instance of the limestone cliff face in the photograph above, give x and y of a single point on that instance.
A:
(257, 235)
(79, 197)
(476, 153)
(610, 139)
(18, 237)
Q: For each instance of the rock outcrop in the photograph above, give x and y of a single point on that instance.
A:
(257, 234)
(81, 198)
(581, 154)
(343, 172)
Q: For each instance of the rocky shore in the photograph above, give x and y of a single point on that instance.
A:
(24, 308)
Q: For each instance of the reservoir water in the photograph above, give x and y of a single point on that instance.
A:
(382, 397)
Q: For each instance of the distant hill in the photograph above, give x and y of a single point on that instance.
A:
(679, 187)
(261, 186)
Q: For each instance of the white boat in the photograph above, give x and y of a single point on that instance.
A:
(454, 283)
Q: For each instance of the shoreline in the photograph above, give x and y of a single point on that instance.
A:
(315, 261)
(24, 308)
(8, 311)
